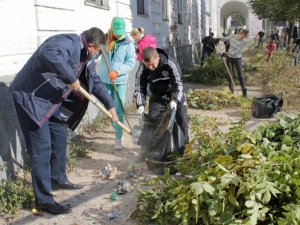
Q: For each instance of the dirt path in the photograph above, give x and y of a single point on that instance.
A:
(92, 204)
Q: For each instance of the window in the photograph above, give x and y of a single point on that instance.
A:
(180, 14)
(104, 4)
(165, 10)
(141, 7)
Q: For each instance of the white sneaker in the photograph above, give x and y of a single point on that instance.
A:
(118, 145)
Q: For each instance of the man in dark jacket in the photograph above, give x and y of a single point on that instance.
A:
(209, 46)
(163, 76)
(45, 97)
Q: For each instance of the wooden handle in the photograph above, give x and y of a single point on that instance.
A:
(101, 107)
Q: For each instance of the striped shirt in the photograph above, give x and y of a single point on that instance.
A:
(236, 45)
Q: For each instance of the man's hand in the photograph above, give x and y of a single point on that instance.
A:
(173, 105)
(114, 114)
(141, 110)
(224, 54)
(75, 85)
(112, 75)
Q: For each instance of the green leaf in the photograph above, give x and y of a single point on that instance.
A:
(198, 187)
(208, 188)
(195, 202)
(267, 197)
(232, 199)
(249, 203)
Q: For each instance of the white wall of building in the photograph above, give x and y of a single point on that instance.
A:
(30, 23)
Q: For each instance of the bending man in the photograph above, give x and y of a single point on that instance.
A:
(45, 97)
(163, 77)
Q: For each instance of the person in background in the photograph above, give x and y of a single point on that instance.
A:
(234, 57)
(120, 53)
(46, 98)
(295, 51)
(261, 38)
(142, 41)
(270, 49)
(209, 44)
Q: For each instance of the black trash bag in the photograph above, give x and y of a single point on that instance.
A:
(266, 107)
(161, 137)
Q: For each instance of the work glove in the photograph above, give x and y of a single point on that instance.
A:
(173, 105)
(112, 75)
(141, 110)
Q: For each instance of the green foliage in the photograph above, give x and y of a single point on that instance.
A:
(75, 149)
(15, 194)
(276, 9)
(213, 73)
(214, 100)
(236, 177)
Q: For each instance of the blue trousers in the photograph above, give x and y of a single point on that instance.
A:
(46, 147)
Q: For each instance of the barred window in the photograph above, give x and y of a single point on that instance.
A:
(141, 7)
(179, 10)
(165, 9)
(104, 4)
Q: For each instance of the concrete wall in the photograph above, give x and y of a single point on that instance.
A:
(25, 25)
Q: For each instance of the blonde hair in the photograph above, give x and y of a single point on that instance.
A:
(136, 31)
(110, 40)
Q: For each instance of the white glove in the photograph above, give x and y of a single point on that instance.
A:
(173, 105)
(141, 110)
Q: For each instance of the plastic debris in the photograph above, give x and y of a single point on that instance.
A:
(113, 215)
(108, 172)
(124, 186)
(113, 196)
(36, 212)
(130, 174)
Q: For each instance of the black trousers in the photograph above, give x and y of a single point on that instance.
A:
(46, 147)
(238, 64)
(158, 104)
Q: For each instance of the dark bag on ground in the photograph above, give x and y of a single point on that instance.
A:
(266, 106)
(161, 137)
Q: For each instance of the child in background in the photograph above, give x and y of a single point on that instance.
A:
(142, 41)
(270, 49)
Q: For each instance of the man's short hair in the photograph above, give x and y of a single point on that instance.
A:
(148, 53)
(95, 36)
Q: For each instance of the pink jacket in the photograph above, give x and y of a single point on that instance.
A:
(146, 41)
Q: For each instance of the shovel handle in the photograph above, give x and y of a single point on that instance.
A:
(102, 108)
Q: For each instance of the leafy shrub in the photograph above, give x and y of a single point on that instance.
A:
(15, 194)
(213, 72)
(232, 178)
(213, 100)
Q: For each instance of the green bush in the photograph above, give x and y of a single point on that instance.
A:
(15, 194)
(236, 177)
(213, 73)
(214, 100)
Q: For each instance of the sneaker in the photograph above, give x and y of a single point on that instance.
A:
(118, 145)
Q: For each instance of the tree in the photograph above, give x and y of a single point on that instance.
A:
(276, 10)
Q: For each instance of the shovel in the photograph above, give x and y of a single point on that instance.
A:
(135, 133)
